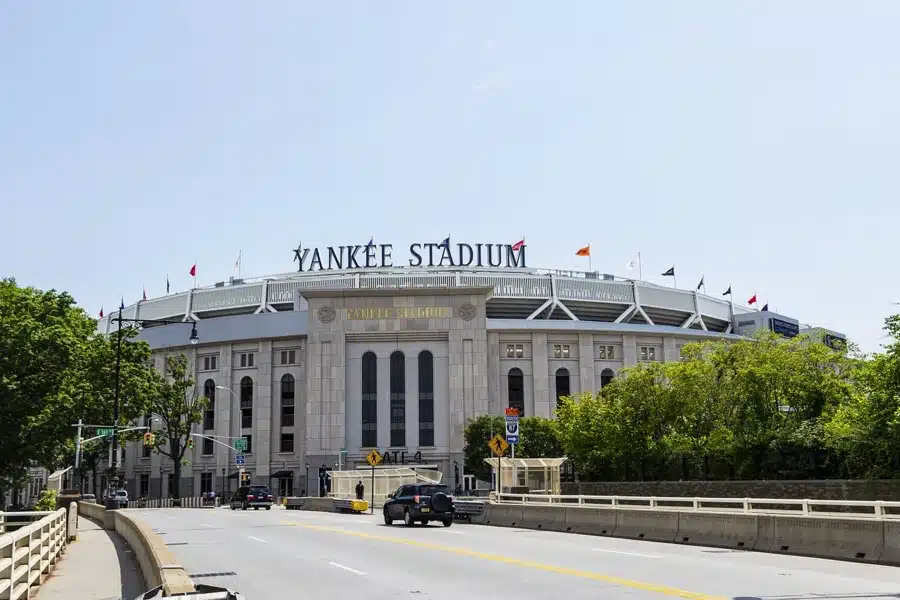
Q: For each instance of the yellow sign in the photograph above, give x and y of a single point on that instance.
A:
(401, 312)
(498, 445)
(373, 457)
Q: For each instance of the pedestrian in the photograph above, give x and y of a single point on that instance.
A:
(360, 490)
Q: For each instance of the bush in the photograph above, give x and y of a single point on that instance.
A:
(47, 501)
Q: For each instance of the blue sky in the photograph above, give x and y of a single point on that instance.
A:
(753, 142)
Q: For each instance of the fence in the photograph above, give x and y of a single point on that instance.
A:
(28, 553)
(859, 509)
(11, 521)
(198, 502)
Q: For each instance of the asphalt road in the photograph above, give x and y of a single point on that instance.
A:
(322, 556)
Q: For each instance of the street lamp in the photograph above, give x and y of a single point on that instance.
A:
(194, 338)
(306, 483)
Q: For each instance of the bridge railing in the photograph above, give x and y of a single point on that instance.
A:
(11, 521)
(29, 552)
(864, 509)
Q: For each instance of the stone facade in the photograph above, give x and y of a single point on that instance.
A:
(836, 489)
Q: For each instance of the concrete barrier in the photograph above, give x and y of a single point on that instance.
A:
(544, 517)
(505, 515)
(848, 538)
(719, 530)
(844, 538)
(590, 520)
(639, 524)
(158, 565)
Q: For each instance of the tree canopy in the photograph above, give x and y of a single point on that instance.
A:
(761, 408)
(54, 369)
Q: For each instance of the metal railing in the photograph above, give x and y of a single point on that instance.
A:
(192, 502)
(860, 509)
(11, 521)
(29, 552)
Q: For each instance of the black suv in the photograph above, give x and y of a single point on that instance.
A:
(256, 496)
(420, 502)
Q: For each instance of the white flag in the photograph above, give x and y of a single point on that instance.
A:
(237, 263)
(633, 263)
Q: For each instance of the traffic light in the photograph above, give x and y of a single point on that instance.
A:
(190, 443)
(148, 439)
(245, 478)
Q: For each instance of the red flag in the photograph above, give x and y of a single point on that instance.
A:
(518, 245)
(194, 270)
(752, 299)
(586, 251)
(101, 312)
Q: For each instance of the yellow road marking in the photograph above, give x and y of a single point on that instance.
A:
(638, 585)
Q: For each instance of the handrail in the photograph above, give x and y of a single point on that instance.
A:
(759, 506)
(12, 520)
(29, 552)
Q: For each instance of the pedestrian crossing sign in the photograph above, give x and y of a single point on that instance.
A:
(374, 457)
(498, 445)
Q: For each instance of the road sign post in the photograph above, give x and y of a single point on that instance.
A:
(374, 458)
(512, 437)
(499, 447)
(240, 444)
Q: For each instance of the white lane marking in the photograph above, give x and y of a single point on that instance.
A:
(173, 518)
(205, 525)
(625, 553)
(340, 566)
(257, 539)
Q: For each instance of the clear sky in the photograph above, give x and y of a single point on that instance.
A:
(754, 142)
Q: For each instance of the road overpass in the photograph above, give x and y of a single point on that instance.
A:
(298, 554)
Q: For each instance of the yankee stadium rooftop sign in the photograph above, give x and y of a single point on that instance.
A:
(380, 256)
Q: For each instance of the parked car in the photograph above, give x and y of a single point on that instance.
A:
(257, 496)
(420, 502)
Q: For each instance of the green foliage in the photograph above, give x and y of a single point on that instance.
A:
(537, 438)
(47, 501)
(763, 408)
(54, 369)
(179, 409)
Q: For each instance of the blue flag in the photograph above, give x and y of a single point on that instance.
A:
(122, 305)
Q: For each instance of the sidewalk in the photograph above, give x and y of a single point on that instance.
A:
(98, 565)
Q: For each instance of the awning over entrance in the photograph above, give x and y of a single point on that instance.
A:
(280, 474)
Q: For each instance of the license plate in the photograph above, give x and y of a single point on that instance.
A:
(426, 510)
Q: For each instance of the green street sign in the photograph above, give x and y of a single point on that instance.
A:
(240, 444)
(105, 431)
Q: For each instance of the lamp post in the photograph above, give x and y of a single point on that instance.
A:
(194, 338)
(223, 485)
(306, 482)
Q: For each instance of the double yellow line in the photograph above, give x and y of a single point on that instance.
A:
(630, 583)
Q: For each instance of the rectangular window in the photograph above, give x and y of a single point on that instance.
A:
(249, 449)
(426, 399)
(144, 486)
(561, 351)
(209, 419)
(288, 357)
(249, 360)
(207, 447)
(287, 416)
(606, 352)
(243, 360)
(515, 350)
(287, 442)
(369, 400)
(206, 483)
(648, 353)
(398, 400)
(209, 363)
(246, 418)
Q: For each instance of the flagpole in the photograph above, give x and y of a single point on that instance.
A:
(590, 268)
(640, 268)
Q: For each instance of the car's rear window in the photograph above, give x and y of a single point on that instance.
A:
(431, 490)
(260, 490)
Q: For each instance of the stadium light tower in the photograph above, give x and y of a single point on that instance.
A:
(112, 502)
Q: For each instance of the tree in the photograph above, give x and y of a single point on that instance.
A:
(41, 334)
(538, 438)
(478, 433)
(179, 408)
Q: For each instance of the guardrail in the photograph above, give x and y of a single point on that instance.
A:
(10, 521)
(193, 502)
(30, 552)
(858, 509)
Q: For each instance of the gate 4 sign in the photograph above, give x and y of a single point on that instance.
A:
(512, 430)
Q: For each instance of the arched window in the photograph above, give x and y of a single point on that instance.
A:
(426, 398)
(209, 413)
(287, 400)
(398, 399)
(369, 400)
(606, 377)
(246, 403)
(562, 385)
(516, 388)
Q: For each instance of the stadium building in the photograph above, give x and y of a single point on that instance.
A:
(351, 353)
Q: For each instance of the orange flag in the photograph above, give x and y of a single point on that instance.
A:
(586, 251)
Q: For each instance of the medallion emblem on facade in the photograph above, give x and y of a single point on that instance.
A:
(326, 314)
(467, 312)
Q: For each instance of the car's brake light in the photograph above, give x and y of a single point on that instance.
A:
(269, 497)
(416, 497)
(251, 497)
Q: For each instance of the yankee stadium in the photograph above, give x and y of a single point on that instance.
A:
(353, 352)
